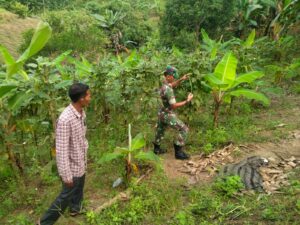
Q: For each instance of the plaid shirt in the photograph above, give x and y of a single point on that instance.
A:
(71, 144)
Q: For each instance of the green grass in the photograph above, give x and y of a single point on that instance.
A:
(208, 206)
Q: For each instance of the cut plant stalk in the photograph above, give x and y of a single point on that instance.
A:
(131, 153)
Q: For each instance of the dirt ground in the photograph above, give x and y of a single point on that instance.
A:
(272, 150)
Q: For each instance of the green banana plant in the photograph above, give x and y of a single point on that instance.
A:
(38, 41)
(41, 36)
(131, 153)
(244, 16)
(287, 13)
(248, 43)
(224, 83)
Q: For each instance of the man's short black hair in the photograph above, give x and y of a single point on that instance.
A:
(77, 91)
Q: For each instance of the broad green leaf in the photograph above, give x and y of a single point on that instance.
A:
(214, 81)
(109, 157)
(213, 53)
(82, 68)
(61, 57)
(138, 142)
(176, 52)
(294, 66)
(8, 58)
(227, 99)
(23, 74)
(18, 99)
(252, 8)
(226, 68)
(132, 60)
(205, 37)
(147, 156)
(121, 150)
(247, 77)
(43, 95)
(63, 84)
(250, 94)
(38, 41)
(100, 18)
(87, 63)
(253, 23)
(250, 40)
(207, 88)
(6, 89)
(286, 3)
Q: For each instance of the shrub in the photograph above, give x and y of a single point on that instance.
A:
(229, 185)
(19, 9)
(75, 30)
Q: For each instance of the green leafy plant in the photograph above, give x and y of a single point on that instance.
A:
(184, 218)
(298, 204)
(224, 83)
(245, 18)
(270, 214)
(287, 12)
(40, 38)
(212, 46)
(131, 153)
(284, 72)
(91, 217)
(11, 91)
(110, 19)
(20, 9)
(229, 185)
(44, 79)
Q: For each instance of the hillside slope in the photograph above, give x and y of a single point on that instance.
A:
(11, 29)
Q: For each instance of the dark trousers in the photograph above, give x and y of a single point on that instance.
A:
(71, 197)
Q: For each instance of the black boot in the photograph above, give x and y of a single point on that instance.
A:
(157, 150)
(179, 153)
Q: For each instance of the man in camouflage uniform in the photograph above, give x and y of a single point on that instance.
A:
(167, 117)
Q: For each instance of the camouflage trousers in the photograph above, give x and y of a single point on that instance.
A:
(169, 119)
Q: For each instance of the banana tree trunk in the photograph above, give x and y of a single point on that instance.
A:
(128, 170)
(216, 114)
(218, 101)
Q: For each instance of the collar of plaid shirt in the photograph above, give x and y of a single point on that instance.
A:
(77, 114)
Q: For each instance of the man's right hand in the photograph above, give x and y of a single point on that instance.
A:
(69, 184)
(190, 97)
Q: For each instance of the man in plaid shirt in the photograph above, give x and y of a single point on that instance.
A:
(71, 155)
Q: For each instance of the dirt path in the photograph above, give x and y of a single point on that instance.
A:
(286, 113)
(275, 152)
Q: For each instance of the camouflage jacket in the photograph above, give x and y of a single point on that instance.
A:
(167, 97)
